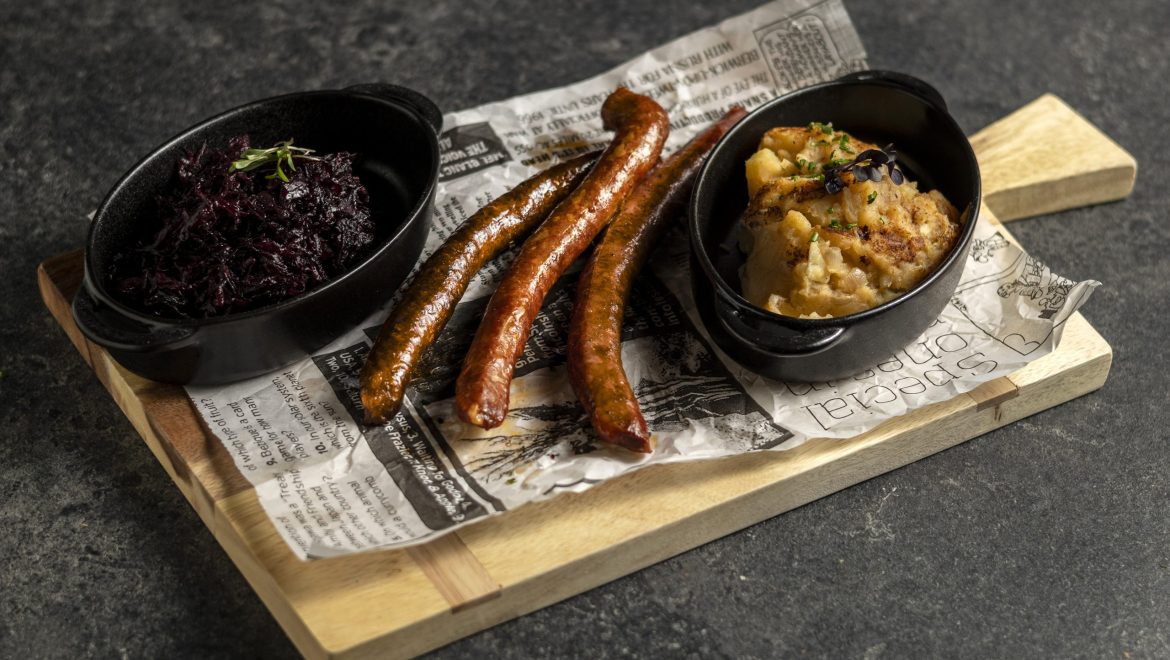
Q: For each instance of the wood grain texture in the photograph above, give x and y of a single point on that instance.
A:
(455, 571)
(1045, 158)
(397, 603)
(993, 393)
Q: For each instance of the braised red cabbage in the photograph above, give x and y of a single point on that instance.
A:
(233, 241)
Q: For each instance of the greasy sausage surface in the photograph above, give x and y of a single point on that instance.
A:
(640, 126)
(426, 306)
(595, 341)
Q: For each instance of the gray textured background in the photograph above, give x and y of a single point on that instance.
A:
(1049, 537)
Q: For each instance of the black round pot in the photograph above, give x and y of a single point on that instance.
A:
(876, 106)
(393, 130)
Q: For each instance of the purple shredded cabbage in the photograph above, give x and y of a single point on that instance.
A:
(234, 241)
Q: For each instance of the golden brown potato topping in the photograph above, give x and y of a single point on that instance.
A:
(813, 254)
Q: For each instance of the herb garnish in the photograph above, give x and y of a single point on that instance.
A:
(283, 152)
(843, 143)
(872, 196)
(866, 167)
(815, 237)
(803, 165)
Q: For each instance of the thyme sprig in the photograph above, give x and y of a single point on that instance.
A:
(281, 154)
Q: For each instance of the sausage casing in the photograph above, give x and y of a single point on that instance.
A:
(595, 351)
(640, 126)
(428, 301)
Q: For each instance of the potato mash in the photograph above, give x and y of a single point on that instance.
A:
(814, 254)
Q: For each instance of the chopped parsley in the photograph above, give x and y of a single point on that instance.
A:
(851, 225)
(816, 126)
(843, 143)
(835, 224)
(872, 196)
(815, 237)
(802, 164)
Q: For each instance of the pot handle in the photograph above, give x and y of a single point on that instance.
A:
(803, 343)
(914, 85)
(422, 105)
(108, 331)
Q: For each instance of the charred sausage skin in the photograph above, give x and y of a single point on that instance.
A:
(640, 126)
(595, 351)
(428, 302)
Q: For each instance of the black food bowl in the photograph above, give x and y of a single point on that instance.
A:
(876, 106)
(393, 131)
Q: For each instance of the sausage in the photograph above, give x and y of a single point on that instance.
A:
(595, 332)
(428, 301)
(641, 126)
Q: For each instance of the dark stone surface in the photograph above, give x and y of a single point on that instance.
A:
(1047, 538)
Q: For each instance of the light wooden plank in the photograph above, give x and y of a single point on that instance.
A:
(572, 543)
(1045, 158)
(993, 393)
(455, 571)
(397, 603)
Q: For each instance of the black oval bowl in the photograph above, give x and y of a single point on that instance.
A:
(393, 131)
(875, 106)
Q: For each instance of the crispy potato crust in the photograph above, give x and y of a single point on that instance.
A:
(816, 255)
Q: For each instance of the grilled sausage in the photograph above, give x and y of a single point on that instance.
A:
(426, 306)
(595, 333)
(641, 125)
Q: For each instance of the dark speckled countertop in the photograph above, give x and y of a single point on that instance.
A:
(1050, 537)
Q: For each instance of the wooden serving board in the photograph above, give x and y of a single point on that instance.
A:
(1042, 158)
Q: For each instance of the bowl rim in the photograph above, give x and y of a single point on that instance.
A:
(94, 285)
(706, 180)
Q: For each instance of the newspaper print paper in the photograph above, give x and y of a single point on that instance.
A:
(333, 486)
